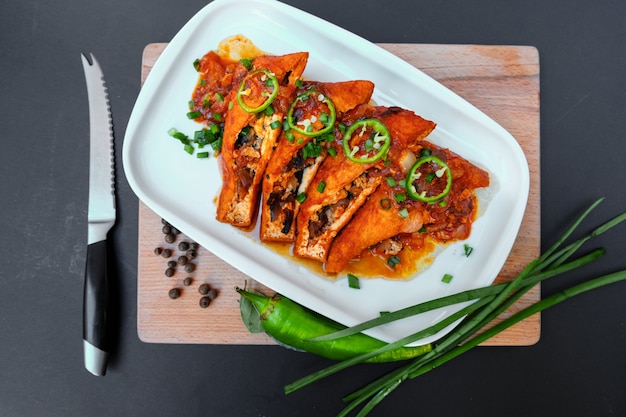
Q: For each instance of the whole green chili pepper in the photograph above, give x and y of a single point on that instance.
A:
(293, 325)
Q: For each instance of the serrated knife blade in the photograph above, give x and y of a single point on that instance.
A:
(101, 218)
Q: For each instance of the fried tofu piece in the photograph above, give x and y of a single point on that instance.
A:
(348, 184)
(250, 138)
(371, 224)
(297, 157)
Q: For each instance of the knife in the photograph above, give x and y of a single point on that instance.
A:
(101, 218)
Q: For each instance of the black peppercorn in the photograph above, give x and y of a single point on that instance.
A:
(204, 302)
(183, 246)
(194, 246)
(170, 237)
(190, 267)
(169, 272)
(191, 254)
(182, 260)
(166, 253)
(204, 289)
(212, 294)
(158, 251)
(166, 229)
(187, 281)
(171, 264)
(174, 293)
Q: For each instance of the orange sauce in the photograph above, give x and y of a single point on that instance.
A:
(370, 265)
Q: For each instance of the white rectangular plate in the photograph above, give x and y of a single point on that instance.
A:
(183, 189)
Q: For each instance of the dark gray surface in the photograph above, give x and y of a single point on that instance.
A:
(577, 369)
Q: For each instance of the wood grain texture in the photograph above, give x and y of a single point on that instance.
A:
(502, 81)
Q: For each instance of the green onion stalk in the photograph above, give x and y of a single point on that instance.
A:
(487, 304)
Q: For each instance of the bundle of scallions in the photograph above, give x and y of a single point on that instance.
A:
(489, 303)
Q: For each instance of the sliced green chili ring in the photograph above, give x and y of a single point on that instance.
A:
(242, 87)
(379, 128)
(329, 124)
(413, 176)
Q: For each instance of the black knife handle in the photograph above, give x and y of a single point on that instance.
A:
(95, 303)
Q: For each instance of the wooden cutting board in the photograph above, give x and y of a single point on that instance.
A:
(502, 81)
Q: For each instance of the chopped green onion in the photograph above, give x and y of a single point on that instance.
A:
(189, 149)
(178, 135)
(391, 181)
(269, 111)
(201, 155)
(393, 261)
(289, 137)
(446, 278)
(217, 117)
(301, 197)
(399, 197)
(353, 282)
(467, 249)
(217, 144)
(442, 203)
(404, 213)
(219, 97)
(311, 149)
(194, 114)
(203, 137)
(275, 124)
(230, 105)
(196, 65)
(429, 177)
(425, 152)
(202, 81)
(422, 229)
(332, 152)
(247, 63)
(321, 186)
(299, 83)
